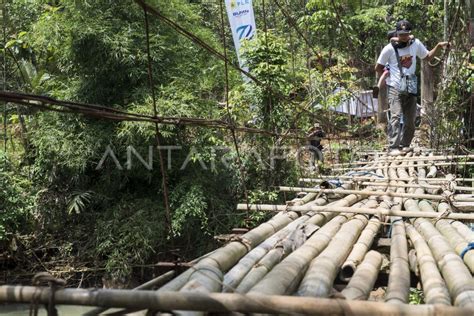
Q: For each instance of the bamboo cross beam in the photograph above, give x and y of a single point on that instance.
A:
(352, 210)
(158, 281)
(377, 193)
(386, 184)
(357, 178)
(219, 302)
(439, 164)
(384, 152)
(406, 159)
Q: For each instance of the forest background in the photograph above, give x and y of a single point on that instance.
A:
(60, 213)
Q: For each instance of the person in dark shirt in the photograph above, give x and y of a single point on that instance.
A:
(315, 136)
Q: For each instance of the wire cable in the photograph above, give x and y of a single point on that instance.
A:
(157, 129)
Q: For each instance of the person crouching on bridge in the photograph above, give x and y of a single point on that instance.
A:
(402, 83)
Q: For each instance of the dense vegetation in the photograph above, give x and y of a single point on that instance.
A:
(59, 210)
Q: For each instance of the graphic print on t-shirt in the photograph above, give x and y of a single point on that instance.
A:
(406, 61)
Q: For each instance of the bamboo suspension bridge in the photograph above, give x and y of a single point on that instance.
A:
(324, 252)
(354, 242)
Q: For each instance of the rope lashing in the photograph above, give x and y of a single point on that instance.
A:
(448, 198)
(54, 283)
(389, 233)
(244, 241)
(470, 246)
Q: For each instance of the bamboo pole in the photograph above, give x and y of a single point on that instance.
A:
(226, 257)
(398, 288)
(363, 280)
(218, 302)
(376, 193)
(258, 272)
(387, 184)
(285, 277)
(413, 262)
(404, 159)
(424, 184)
(465, 231)
(360, 249)
(455, 239)
(158, 281)
(360, 177)
(440, 164)
(208, 274)
(235, 275)
(434, 287)
(457, 276)
(433, 170)
(284, 247)
(355, 210)
(323, 269)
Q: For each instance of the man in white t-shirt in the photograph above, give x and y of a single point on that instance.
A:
(408, 49)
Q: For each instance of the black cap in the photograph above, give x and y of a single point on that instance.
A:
(403, 27)
(391, 33)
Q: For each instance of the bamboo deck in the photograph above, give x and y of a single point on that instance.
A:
(319, 253)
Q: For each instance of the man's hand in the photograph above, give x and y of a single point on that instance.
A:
(433, 52)
(443, 44)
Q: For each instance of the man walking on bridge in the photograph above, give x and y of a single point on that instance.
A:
(402, 84)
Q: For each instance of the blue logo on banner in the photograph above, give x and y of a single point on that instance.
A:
(244, 31)
(240, 13)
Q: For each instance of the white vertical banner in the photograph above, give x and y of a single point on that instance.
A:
(242, 23)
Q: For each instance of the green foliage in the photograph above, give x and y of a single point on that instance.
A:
(128, 234)
(189, 209)
(94, 52)
(426, 19)
(371, 28)
(79, 201)
(267, 58)
(16, 202)
(416, 297)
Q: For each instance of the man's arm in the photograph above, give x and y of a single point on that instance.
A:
(432, 53)
(379, 69)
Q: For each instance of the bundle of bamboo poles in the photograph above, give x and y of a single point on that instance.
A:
(311, 240)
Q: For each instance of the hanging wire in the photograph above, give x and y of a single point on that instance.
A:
(5, 134)
(157, 129)
(449, 38)
(265, 30)
(442, 124)
(103, 112)
(243, 174)
(344, 30)
(203, 44)
(294, 25)
(180, 29)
